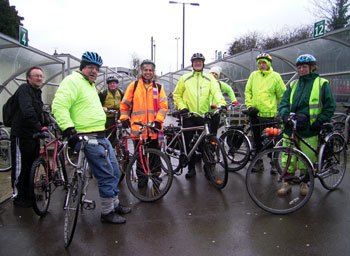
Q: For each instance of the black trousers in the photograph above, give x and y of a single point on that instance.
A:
(191, 122)
(23, 152)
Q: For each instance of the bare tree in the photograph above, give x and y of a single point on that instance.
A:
(135, 64)
(335, 12)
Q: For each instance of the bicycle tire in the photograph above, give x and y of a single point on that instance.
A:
(175, 153)
(71, 207)
(40, 187)
(262, 186)
(123, 159)
(4, 134)
(332, 161)
(237, 149)
(5, 155)
(153, 186)
(215, 162)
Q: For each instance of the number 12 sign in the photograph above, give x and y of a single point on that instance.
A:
(319, 28)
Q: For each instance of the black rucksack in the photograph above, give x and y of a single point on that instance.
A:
(9, 110)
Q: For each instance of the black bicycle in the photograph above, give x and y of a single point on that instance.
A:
(213, 154)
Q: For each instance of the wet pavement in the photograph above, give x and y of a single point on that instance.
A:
(192, 219)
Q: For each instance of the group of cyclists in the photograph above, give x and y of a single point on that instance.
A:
(79, 109)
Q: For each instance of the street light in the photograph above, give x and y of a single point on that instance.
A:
(177, 52)
(183, 27)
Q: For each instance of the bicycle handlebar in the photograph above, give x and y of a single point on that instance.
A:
(150, 126)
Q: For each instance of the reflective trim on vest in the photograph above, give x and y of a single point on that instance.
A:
(315, 101)
(163, 99)
(162, 111)
(137, 113)
(126, 101)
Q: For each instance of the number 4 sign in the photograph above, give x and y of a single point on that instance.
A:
(23, 36)
(319, 28)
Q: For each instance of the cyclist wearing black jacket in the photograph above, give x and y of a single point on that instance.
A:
(26, 122)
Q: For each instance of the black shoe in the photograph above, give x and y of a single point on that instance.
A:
(112, 218)
(120, 209)
(22, 203)
(142, 183)
(190, 173)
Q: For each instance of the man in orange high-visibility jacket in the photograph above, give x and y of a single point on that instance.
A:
(146, 103)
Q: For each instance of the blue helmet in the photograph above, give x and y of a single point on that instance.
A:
(306, 59)
(93, 58)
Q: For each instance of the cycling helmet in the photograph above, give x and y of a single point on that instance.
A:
(197, 56)
(148, 62)
(111, 79)
(93, 58)
(264, 55)
(306, 59)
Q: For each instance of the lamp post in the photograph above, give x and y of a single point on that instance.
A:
(177, 52)
(183, 28)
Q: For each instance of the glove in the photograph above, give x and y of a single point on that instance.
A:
(253, 112)
(126, 123)
(157, 125)
(212, 106)
(69, 132)
(224, 108)
(44, 131)
(235, 102)
(316, 126)
(286, 121)
(184, 111)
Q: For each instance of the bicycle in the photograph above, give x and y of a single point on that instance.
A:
(213, 154)
(329, 168)
(237, 144)
(5, 149)
(149, 173)
(75, 199)
(43, 173)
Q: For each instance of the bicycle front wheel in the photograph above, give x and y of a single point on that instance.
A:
(149, 176)
(40, 187)
(71, 207)
(237, 149)
(5, 155)
(215, 162)
(332, 165)
(263, 186)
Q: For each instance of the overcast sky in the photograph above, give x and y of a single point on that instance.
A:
(118, 29)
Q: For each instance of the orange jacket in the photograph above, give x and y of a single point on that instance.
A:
(143, 106)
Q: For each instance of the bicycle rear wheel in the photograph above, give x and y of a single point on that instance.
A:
(263, 186)
(149, 178)
(174, 152)
(71, 207)
(40, 187)
(5, 155)
(215, 162)
(332, 165)
(237, 149)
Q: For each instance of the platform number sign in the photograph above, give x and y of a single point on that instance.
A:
(319, 28)
(23, 36)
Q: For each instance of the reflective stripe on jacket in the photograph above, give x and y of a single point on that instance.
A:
(143, 109)
(264, 90)
(76, 104)
(315, 105)
(194, 90)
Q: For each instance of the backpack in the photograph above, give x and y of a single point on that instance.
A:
(103, 95)
(9, 110)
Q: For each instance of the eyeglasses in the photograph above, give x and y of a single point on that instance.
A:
(37, 76)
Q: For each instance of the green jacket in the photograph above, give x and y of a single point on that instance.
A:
(263, 91)
(301, 103)
(224, 87)
(194, 90)
(76, 104)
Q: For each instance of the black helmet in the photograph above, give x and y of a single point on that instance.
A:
(111, 79)
(197, 56)
(148, 62)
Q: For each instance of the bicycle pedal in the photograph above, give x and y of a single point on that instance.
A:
(89, 204)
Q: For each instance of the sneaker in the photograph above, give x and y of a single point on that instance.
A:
(112, 218)
(191, 173)
(304, 189)
(120, 209)
(259, 166)
(285, 189)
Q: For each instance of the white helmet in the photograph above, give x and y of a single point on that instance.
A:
(216, 70)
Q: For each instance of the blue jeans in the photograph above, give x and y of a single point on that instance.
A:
(105, 169)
